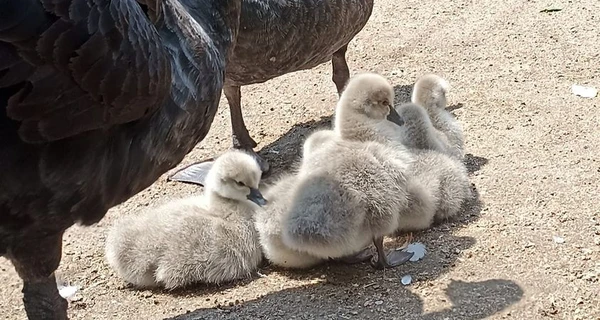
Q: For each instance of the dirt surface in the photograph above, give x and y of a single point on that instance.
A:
(533, 149)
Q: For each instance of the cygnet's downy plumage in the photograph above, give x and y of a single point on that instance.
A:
(419, 133)
(430, 92)
(348, 194)
(365, 111)
(438, 188)
(269, 221)
(269, 226)
(438, 182)
(209, 238)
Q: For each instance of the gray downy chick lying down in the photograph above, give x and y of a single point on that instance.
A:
(438, 184)
(430, 93)
(209, 238)
(438, 188)
(347, 195)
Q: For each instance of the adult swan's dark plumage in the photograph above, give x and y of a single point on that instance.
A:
(277, 37)
(98, 99)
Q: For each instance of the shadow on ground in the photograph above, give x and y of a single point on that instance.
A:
(330, 300)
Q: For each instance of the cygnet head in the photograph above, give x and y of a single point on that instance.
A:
(369, 96)
(236, 175)
(430, 91)
(316, 141)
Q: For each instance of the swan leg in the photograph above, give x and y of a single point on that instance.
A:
(391, 259)
(35, 261)
(241, 136)
(341, 72)
(360, 257)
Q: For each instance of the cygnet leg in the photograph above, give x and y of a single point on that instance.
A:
(409, 239)
(391, 259)
(240, 134)
(360, 257)
(341, 72)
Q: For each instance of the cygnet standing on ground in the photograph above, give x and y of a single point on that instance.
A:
(209, 238)
(269, 226)
(348, 194)
(269, 221)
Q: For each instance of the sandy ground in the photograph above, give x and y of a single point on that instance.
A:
(532, 150)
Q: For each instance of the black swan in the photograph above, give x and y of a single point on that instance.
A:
(99, 98)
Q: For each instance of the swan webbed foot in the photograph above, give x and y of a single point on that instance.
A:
(195, 173)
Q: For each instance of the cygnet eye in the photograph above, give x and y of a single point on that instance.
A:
(239, 183)
(385, 103)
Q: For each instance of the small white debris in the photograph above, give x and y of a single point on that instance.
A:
(585, 92)
(558, 239)
(418, 249)
(67, 291)
(406, 280)
(379, 302)
(261, 275)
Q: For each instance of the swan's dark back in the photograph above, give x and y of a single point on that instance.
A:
(96, 102)
(281, 36)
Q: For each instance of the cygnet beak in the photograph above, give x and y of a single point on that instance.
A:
(395, 117)
(256, 197)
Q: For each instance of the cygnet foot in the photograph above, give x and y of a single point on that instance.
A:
(391, 259)
(360, 257)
